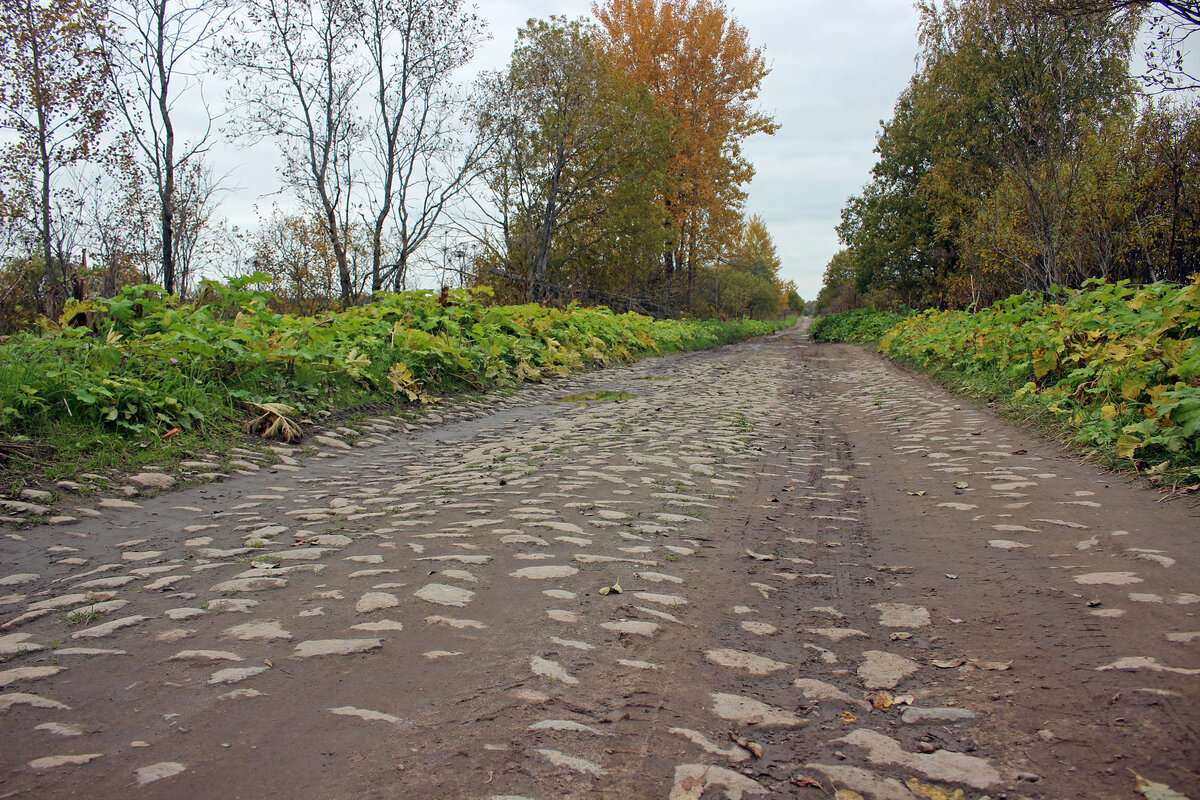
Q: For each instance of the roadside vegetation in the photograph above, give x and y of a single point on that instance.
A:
(864, 325)
(144, 376)
(1114, 367)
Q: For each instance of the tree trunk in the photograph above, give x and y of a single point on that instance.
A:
(167, 198)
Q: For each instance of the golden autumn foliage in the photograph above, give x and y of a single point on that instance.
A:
(699, 66)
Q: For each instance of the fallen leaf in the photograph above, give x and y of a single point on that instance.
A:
(1019, 452)
(992, 665)
(848, 716)
(804, 780)
(172, 432)
(931, 792)
(904, 700)
(267, 661)
(753, 747)
(847, 794)
(692, 788)
(948, 663)
(900, 636)
(789, 488)
(962, 485)
(921, 493)
(760, 556)
(1156, 791)
(881, 699)
(614, 589)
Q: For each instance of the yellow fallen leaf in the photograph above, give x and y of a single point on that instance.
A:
(848, 717)
(614, 589)
(847, 794)
(931, 792)
(917, 494)
(881, 699)
(948, 663)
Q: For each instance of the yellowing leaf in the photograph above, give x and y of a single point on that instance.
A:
(1126, 446)
(1132, 389)
(848, 716)
(931, 792)
(1109, 411)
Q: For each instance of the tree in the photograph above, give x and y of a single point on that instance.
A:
(578, 161)
(1171, 24)
(697, 63)
(419, 163)
(154, 47)
(754, 251)
(298, 81)
(1041, 85)
(52, 92)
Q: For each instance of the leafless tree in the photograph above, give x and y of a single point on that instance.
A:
(298, 78)
(418, 163)
(156, 53)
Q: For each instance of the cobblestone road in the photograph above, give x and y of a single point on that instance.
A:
(775, 566)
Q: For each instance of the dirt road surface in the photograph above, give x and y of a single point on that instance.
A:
(832, 574)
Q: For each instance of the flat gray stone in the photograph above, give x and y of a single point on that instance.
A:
(445, 595)
(109, 627)
(335, 647)
(152, 480)
(375, 601)
(694, 780)
(940, 765)
(736, 659)
(902, 615)
(915, 716)
(156, 772)
(747, 711)
(882, 670)
(257, 584)
(544, 572)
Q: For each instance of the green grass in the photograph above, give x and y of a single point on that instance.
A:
(863, 325)
(153, 380)
(1113, 368)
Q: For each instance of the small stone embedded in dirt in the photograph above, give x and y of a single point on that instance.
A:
(157, 772)
(544, 572)
(748, 711)
(633, 626)
(940, 765)
(737, 659)
(335, 647)
(152, 480)
(883, 670)
(902, 615)
(53, 762)
(692, 781)
(445, 595)
(915, 716)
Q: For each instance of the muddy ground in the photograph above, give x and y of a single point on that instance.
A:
(832, 575)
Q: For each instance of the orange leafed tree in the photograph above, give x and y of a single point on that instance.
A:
(698, 64)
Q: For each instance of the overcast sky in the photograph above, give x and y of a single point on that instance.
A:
(836, 71)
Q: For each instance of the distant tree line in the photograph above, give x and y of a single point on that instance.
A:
(603, 165)
(1026, 154)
